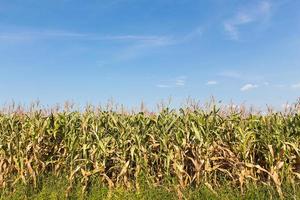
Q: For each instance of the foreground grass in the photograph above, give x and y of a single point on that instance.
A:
(55, 189)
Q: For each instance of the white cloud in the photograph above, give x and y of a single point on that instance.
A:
(279, 85)
(193, 34)
(265, 7)
(248, 86)
(245, 16)
(38, 35)
(34, 34)
(61, 34)
(154, 40)
(266, 83)
(173, 83)
(180, 81)
(146, 43)
(211, 82)
(296, 86)
(163, 86)
(231, 30)
(231, 74)
(136, 44)
(141, 47)
(245, 76)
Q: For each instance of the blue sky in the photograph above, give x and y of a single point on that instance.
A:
(134, 50)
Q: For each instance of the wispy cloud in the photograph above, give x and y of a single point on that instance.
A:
(196, 33)
(259, 79)
(211, 83)
(135, 45)
(296, 86)
(231, 26)
(280, 85)
(266, 83)
(148, 43)
(38, 35)
(142, 47)
(60, 34)
(248, 86)
(180, 81)
(247, 15)
(163, 86)
(35, 34)
(244, 76)
(173, 83)
(231, 74)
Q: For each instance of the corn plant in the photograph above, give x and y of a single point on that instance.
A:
(186, 147)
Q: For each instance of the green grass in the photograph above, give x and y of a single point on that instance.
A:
(54, 189)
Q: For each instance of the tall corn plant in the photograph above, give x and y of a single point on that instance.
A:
(186, 147)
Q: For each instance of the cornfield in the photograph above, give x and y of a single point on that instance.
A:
(187, 147)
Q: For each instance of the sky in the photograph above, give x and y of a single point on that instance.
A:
(150, 50)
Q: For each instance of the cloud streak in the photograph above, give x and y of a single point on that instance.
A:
(246, 16)
(211, 83)
(163, 86)
(58, 34)
(151, 42)
(296, 86)
(248, 86)
(173, 83)
(180, 81)
(31, 34)
(231, 74)
(135, 44)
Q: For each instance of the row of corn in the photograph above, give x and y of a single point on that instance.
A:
(186, 147)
